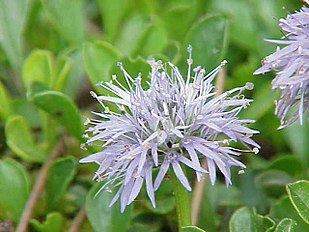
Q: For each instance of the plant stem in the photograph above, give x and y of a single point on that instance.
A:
(182, 203)
(199, 188)
(78, 220)
(37, 188)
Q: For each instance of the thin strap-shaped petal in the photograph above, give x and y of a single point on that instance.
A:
(163, 169)
(212, 171)
(149, 185)
(136, 189)
(180, 175)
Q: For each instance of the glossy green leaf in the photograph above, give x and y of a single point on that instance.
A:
(243, 27)
(287, 163)
(177, 17)
(286, 225)
(105, 218)
(68, 18)
(128, 38)
(62, 109)
(20, 139)
(53, 223)
(152, 42)
(14, 189)
(210, 30)
(76, 76)
(59, 177)
(5, 109)
(191, 229)
(38, 66)
(242, 220)
(299, 196)
(13, 15)
(112, 11)
(298, 137)
(273, 181)
(245, 219)
(283, 208)
(63, 68)
(99, 58)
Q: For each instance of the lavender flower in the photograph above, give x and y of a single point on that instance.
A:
(291, 64)
(173, 123)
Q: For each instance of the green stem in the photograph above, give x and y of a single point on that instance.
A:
(182, 203)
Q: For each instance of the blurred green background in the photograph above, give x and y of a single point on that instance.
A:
(54, 52)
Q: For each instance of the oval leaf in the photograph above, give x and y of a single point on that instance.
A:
(20, 139)
(298, 194)
(286, 225)
(68, 17)
(242, 220)
(283, 208)
(61, 108)
(112, 12)
(59, 177)
(14, 189)
(38, 67)
(102, 217)
(99, 58)
(13, 15)
(210, 31)
(273, 182)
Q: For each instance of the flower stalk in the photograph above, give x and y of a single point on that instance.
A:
(182, 203)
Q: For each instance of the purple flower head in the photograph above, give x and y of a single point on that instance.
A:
(175, 122)
(291, 64)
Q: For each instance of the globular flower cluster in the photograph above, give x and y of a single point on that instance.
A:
(291, 64)
(173, 123)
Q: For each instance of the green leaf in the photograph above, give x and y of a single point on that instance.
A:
(177, 17)
(63, 68)
(273, 181)
(59, 177)
(14, 189)
(286, 225)
(38, 66)
(102, 217)
(20, 139)
(153, 41)
(13, 15)
(67, 15)
(213, 31)
(191, 229)
(298, 194)
(112, 11)
(243, 27)
(53, 223)
(245, 219)
(99, 58)
(128, 38)
(61, 108)
(283, 208)
(287, 163)
(5, 109)
(298, 137)
(242, 220)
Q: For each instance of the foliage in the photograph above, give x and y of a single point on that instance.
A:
(53, 53)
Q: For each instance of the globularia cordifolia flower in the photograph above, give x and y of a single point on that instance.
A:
(175, 122)
(291, 64)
